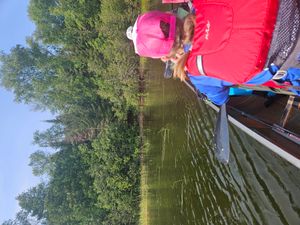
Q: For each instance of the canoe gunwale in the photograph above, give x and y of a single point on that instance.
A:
(291, 155)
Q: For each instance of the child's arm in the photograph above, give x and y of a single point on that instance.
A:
(216, 90)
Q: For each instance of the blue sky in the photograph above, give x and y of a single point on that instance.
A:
(17, 121)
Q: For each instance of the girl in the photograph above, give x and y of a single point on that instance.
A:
(222, 45)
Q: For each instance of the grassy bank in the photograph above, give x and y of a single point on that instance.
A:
(144, 215)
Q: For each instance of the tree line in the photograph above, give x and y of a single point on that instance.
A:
(79, 65)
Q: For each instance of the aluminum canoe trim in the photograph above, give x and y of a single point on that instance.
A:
(279, 151)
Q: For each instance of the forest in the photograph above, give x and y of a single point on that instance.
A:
(79, 65)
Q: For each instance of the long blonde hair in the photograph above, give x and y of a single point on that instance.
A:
(184, 35)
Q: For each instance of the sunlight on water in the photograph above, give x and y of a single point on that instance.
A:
(187, 185)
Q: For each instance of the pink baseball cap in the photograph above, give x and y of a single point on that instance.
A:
(148, 37)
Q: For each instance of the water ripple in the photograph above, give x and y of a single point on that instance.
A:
(187, 185)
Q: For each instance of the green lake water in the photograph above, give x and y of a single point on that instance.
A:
(187, 185)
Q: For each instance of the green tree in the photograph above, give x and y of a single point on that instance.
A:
(33, 201)
(25, 72)
(43, 77)
(53, 137)
(41, 163)
(49, 26)
(23, 218)
(114, 167)
(71, 198)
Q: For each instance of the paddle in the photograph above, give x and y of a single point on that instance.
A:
(221, 139)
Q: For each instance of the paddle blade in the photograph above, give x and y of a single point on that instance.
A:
(222, 148)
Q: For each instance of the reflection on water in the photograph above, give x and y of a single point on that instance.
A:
(187, 184)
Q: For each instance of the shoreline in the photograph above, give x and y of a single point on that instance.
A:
(144, 218)
(144, 215)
